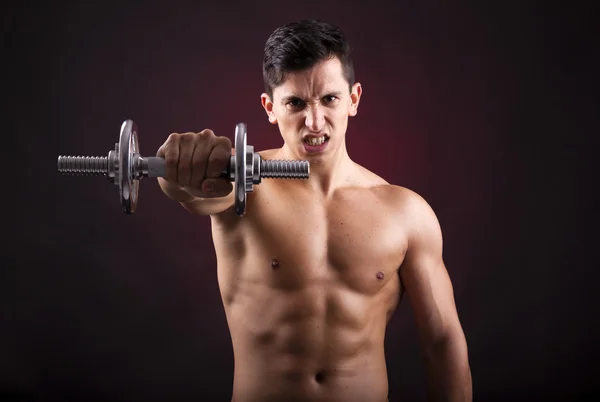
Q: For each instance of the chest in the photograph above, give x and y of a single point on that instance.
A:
(352, 239)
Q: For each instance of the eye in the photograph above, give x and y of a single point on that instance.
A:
(295, 103)
(329, 98)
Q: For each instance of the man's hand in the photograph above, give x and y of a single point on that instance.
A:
(194, 162)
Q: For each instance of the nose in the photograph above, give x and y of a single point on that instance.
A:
(315, 118)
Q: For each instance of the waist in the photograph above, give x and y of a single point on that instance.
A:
(294, 378)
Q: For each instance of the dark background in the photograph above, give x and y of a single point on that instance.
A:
(487, 109)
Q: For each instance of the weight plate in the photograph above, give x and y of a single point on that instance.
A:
(240, 169)
(128, 148)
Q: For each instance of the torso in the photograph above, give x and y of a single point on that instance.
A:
(308, 286)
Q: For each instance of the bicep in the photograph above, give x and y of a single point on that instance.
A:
(426, 280)
(431, 296)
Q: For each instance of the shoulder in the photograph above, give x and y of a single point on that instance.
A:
(411, 209)
(406, 199)
(398, 198)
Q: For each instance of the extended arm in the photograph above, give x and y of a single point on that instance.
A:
(193, 204)
(429, 289)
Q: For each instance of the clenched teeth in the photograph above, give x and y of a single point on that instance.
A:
(314, 141)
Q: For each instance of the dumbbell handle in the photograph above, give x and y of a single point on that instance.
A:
(154, 166)
(124, 166)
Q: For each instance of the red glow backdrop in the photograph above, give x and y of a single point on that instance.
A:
(482, 109)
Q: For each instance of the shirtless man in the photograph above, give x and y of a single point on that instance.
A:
(312, 274)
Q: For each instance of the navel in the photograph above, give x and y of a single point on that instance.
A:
(320, 377)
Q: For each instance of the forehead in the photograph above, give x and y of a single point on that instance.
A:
(326, 76)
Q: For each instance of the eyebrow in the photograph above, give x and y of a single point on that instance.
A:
(288, 98)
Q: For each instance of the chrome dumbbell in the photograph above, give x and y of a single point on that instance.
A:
(125, 167)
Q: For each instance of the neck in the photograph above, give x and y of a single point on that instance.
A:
(326, 174)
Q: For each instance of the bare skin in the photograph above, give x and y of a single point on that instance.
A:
(312, 274)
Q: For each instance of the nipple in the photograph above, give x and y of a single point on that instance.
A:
(274, 263)
(380, 275)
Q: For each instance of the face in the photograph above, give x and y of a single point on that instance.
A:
(311, 108)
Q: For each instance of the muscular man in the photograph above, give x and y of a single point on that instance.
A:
(312, 274)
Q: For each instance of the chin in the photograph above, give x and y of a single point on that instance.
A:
(320, 158)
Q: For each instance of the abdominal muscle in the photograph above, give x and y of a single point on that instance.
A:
(308, 288)
(318, 343)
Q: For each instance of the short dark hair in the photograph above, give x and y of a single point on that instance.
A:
(300, 45)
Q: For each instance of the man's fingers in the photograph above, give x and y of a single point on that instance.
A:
(204, 144)
(196, 162)
(186, 151)
(170, 152)
(219, 157)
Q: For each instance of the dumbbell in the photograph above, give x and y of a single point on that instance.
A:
(125, 167)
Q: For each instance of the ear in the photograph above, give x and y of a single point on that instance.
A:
(267, 104)
(354, 99)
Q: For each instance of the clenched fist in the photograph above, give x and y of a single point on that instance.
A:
(194, 162)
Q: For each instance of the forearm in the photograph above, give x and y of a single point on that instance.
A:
(448, 370)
